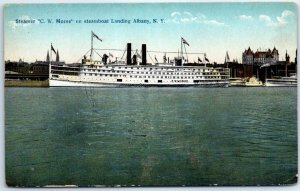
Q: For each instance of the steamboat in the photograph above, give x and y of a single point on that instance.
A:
(135, 71)
(283, 81)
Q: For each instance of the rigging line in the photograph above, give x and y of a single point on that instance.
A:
(174, 52)
(123, 54)
(109, 49)
(155, 51)
(150, 57)
(83, 55)
(98, 54)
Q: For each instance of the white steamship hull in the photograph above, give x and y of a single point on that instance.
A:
(66, 83)
(282, 82)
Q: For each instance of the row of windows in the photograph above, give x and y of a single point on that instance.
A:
(163, 73)
(92, 70)
(260, 58)
(64, 72)
(146, 80)
(145, 68)
(166, 69)
(168, 77)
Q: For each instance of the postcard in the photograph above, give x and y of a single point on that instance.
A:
(151, 94)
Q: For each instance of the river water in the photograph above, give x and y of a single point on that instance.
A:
(150, 136)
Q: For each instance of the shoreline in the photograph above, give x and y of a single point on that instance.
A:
(26, 83)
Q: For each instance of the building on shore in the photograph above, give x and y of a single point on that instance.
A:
(262, 65)
(17, 66)
(38, 70)
(39, 67)
(259, 58)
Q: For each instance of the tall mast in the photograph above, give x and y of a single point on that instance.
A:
(91, 56)
(50, 61)
(187, 59)
(181, 50)
(205, 60)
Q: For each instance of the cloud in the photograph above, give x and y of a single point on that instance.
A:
(285, 15)
(214, 23)
(174, 14)
(14, 24)
(187, 17)
(246, 17)
(267, 20)
(281, 21)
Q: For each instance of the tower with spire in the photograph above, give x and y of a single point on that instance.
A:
(287, 57)
(57, 56)
(275, 54)
(48, 57)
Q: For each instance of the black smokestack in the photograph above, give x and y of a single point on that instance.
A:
(144, 54)
(128, 53)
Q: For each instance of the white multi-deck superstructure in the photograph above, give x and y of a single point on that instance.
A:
(103, 74)
(126, 75)
(283, 81)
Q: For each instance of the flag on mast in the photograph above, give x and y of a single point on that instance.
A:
(156, 59)
(199, 60)
(52, 49)
(165, 57)
(94, 35)
(227, 56)
(184, 41)
(206, 59)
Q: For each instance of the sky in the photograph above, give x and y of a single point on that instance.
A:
(211, 28)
